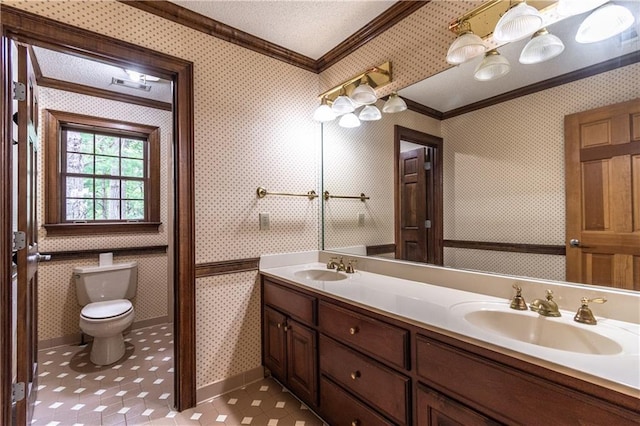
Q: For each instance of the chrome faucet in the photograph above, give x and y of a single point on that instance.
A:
(546, 308)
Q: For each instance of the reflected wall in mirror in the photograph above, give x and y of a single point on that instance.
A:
(503, 166)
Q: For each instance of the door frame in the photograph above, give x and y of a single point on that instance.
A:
(410, 135)
(37, 30)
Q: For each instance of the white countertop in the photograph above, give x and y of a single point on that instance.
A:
(442, 309)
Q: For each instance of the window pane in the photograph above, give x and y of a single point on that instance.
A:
(132, 148)
(107, 188)
(133, 189)
(79, 141)
(80, 163)
(107, 165)
(79, 187)
(107, 209)
(133, 209)
(79, 209)
(107, 145)
(132, 168)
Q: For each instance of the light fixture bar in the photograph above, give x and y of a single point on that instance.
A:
(483, 18)
(377, 77)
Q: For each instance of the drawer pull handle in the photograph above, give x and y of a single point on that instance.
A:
(356, 422)
(353, 330)
(355, 375)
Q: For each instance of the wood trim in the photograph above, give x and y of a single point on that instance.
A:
(423, 109)
(608, 151)
(38, 30)
(510, 247)
(6, 219)
(373, 29)
(102, 93)
(381, 249)
(93, 253)
(186, 17)
(611, 64)
(61, 229)
(226, 267)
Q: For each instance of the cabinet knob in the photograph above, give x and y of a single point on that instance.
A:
(355, 374)
(279, 325)
(356, 422)
(286, 328)
(353, 330)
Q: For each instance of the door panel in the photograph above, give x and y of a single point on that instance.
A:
(602, 155)
(274, 343)
(301, 346)
(27, 258)
(413, 201)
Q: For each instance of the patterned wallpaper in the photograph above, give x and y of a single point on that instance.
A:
(361, 160)
(56, 288)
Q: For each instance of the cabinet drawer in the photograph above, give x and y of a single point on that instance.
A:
(374, 337)
(339, 408)
(507, 394)
(378, 385)
(297, 305)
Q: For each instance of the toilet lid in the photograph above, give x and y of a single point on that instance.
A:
(106, 309)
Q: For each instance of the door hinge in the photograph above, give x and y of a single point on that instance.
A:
(427, 224)
(19, 91)
(427, 165)
(19, 240)
(17, 392)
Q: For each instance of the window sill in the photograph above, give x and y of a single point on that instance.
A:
(55, 229)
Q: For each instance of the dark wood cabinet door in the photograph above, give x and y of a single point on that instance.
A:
(274, 343)
(302, 363)
(435, 409)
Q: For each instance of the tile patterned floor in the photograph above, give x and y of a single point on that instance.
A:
(138, 390)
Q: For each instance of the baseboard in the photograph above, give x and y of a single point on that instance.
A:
(75, 338)
(227, 385)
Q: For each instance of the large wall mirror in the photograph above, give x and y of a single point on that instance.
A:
(503, 165)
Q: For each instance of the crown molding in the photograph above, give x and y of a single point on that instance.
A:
(186, 17)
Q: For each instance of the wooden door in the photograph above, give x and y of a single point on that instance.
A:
(435, 409)
(602, 166)
(301, 361)
(413, 206)
(26, 254)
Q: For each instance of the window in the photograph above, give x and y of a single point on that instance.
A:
(101, 175)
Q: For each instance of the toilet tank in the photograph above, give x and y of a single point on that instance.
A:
(109, 282)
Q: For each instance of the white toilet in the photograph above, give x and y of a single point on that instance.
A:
(103, 291)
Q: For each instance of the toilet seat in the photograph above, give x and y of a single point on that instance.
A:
(107, 309)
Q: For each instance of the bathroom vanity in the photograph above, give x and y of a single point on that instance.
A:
(375, 349)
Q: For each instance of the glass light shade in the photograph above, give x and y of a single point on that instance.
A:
(370, 113)
(466, 46)
(323, 114)
(349, 120)
(342, 105)
(364, 95)
(604, 22)
(576, 7)
(493, 66)
(542, 47)
(517, 23)
(394, 104)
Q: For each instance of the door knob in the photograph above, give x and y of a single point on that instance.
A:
(574, 242)
(43, 257)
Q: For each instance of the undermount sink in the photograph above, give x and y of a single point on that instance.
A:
(320, 275)
(542, 331)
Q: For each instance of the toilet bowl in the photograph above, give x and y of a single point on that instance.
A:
(103, 291)
(106, 321)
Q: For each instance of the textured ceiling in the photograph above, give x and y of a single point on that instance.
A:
(311, 28)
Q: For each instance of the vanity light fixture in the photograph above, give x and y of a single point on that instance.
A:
(467, 46)
(520, 21)
(605, 22)
(576, 7)
(493, 66)
(542, 47)
(357, 92)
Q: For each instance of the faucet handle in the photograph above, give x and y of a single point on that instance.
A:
(331, 264)
(584, 314)
(518, 302)
(350, 269)
(549, 295)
